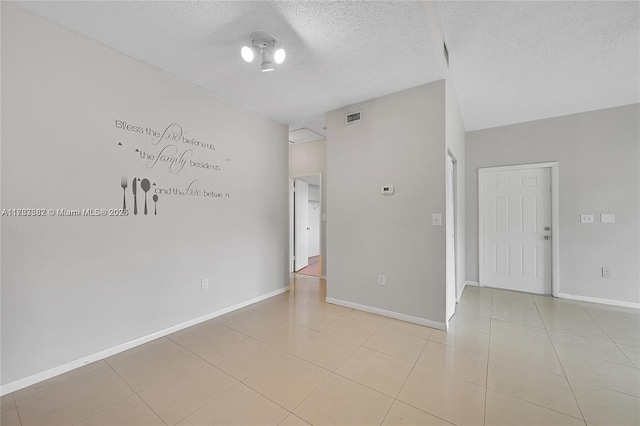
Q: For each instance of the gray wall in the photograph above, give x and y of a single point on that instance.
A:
(400, 141)
(76, 286)
(599, 172)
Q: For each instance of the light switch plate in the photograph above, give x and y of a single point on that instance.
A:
(388, 190)
(586, 218)
(608, 218)
(436, 219)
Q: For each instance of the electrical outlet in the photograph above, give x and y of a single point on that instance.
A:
(381, 280)
(204, 283)
(606, 272)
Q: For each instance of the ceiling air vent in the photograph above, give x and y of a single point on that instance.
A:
(353, 117)
(303, 135)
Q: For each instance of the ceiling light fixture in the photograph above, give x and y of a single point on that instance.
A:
(267, 46)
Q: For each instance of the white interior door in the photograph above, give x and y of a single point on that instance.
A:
(516, 230)
(314, 228)
(450, 229)
(301, 218)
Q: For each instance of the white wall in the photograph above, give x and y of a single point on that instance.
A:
(455, 140)
(599, 172)
(314, 220)
(75, 286)
(400, 141)
(314, 192)
(306, 159)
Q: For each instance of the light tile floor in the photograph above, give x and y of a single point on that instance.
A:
(508, 359)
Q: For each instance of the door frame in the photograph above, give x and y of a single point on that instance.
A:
(454, 224)
(292, 219)
(555, 222)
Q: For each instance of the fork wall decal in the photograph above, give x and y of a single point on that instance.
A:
(123, 184)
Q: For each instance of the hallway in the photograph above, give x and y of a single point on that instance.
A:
(313, 269)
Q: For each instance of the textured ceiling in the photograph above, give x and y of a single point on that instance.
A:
(338, 53)
(509, 61)
(520, 61)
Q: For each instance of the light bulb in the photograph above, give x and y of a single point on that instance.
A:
(279, 56)
(247, 53)
(267, 66)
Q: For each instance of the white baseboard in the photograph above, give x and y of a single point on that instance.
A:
(599, 300)
(390, 314)
(61, 369)
(472, 283)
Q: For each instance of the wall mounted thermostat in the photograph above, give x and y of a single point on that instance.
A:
(387, 190)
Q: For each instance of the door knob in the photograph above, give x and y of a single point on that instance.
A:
(546, 228)
(547, 237)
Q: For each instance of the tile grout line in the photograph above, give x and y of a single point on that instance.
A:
(284, 352)
(204, 405)
(204, 359)
(275, 402)
(404, 384)
(56, 391)
(180, 371)
(537, 405)
(395, 399)
(607, 389)
(393, 356)
(318, 365)
(132, 390)
(330, 372)
(243, 381)
(79, 381)
(486, 382)
(534, 403)
(562, 366)
(308, 396)
(613, 341)
(459, 378)
(361, 345)
(13, 398)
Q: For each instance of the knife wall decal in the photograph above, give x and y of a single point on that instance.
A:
(134, 188)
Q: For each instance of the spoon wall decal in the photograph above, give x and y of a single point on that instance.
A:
(155, 204)
(145, 185)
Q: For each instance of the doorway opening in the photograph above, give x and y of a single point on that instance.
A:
(518, 227)
(305, 224)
